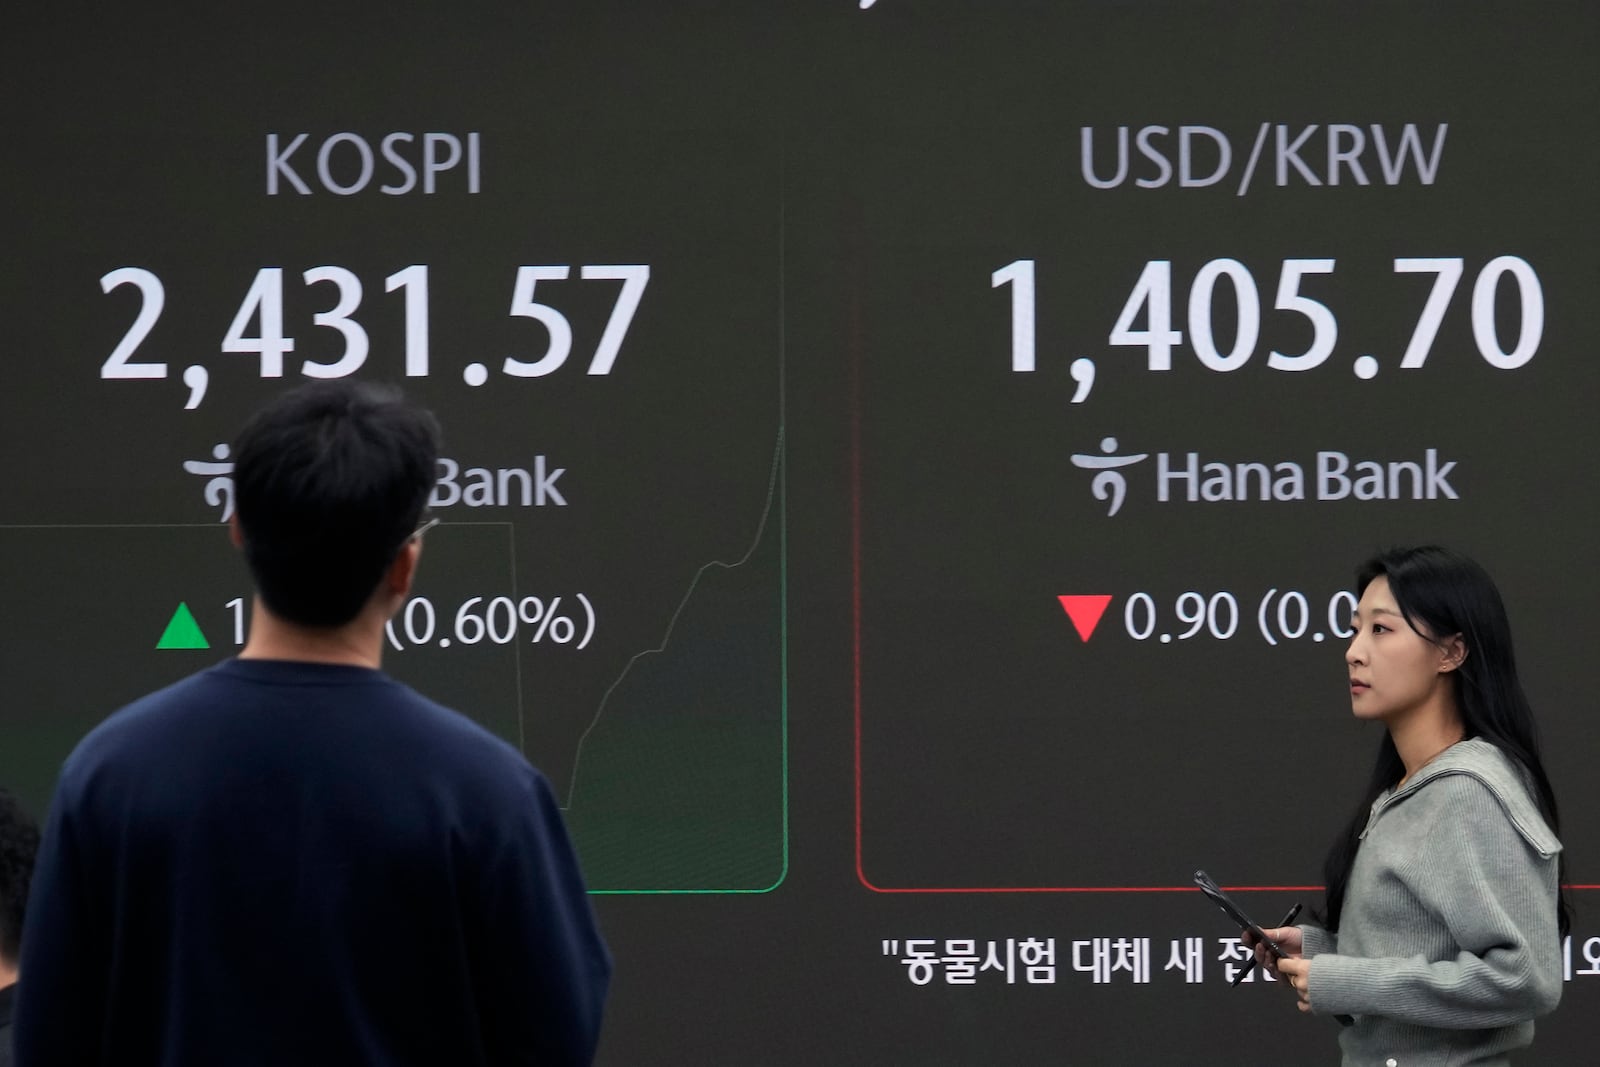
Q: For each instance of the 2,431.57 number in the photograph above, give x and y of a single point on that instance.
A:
(263, 306)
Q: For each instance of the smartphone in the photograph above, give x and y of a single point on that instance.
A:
(1234, 912)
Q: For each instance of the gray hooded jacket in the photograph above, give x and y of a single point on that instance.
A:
(1447, 945)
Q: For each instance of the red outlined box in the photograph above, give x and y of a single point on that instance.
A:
(856, 628)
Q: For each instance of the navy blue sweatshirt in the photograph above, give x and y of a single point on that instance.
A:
(292, 863)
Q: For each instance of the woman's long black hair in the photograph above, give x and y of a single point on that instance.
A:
(1442, 593)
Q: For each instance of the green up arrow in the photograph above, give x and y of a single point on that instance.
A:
(182, 631)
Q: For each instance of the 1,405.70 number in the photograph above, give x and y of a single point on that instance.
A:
(263, 305)
(1152, 297)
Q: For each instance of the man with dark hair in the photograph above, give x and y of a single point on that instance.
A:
(291, 858)
(19, 841)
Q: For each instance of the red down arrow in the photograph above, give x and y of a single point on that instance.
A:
(1085, 609)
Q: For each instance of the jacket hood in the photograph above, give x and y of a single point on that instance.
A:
(1504, 779)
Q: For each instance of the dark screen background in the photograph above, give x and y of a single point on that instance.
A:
(831, 699)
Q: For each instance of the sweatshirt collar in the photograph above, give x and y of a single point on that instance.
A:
(1484, 761)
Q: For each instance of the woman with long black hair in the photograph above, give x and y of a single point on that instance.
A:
(1441, 937)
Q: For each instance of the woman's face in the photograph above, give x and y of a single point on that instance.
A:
(1394, 669)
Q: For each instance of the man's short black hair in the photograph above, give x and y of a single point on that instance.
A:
(19, 843)
(330, 479)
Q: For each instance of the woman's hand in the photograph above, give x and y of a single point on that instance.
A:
(1297, 972)
(1294, 969)
(1288, 938)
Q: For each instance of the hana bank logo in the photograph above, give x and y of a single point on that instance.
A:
(1326, 475)
(1109, 484)
(537, 485)
(219, 472)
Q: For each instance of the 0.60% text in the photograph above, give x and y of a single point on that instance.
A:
(493, 620)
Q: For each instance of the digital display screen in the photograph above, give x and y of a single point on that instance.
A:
(904, 466)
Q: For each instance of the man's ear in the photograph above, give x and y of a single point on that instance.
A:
(235, 534)
(403, 571)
